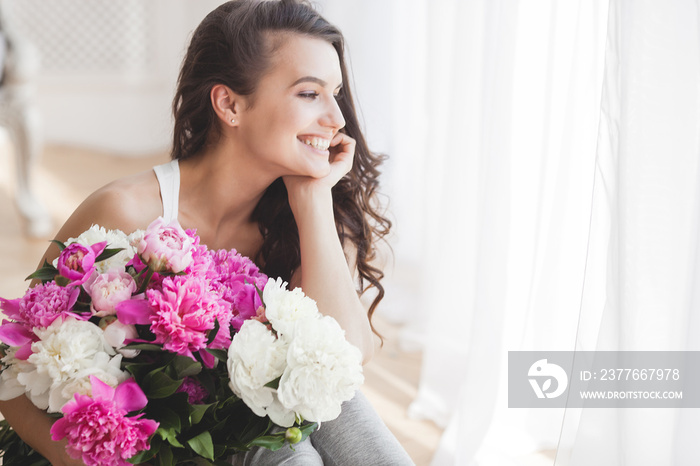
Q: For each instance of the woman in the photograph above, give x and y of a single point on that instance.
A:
(268, 158)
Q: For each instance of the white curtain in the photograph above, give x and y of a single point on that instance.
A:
(544, 181)
(642, 285)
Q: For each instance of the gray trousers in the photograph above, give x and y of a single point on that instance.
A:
(358, 437)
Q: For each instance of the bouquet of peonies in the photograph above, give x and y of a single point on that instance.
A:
(150, 347)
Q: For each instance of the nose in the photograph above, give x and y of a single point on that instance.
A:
(334, 116)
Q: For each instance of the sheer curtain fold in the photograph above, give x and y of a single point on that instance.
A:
(645, 227)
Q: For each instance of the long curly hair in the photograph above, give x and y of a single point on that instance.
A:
(229, 47)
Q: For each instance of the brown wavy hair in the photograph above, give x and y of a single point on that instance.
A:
(231, 47)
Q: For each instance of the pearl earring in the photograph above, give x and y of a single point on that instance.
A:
(233, 120)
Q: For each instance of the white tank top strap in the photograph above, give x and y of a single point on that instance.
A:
(168, 176)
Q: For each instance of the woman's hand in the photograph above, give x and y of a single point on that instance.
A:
(342, 153)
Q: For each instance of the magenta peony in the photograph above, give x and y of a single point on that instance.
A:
(77, 262)
(184, 311)
(166, 248)
(98, 429)
(196, 393)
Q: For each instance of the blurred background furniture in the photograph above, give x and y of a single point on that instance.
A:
(19, 116)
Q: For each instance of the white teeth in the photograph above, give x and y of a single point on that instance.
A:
(317, 143)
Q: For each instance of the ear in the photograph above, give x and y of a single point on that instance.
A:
(226, 104)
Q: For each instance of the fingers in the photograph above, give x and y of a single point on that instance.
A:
(342, 151)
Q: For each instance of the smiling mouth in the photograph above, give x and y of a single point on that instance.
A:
(316, 143)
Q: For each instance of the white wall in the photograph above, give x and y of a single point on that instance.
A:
(122, 105)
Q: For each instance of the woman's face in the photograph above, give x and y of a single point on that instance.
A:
(294, 114)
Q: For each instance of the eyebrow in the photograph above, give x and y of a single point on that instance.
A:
(313, 79)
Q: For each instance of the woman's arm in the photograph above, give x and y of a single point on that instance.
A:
(34, 426)
(325, 274)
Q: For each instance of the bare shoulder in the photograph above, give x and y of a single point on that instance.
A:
(126, 204)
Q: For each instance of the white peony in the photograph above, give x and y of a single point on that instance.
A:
(116, 333)
(284, 307)
(10, 387)
(115, 239)
(323, 370)
(317, 368)
(255, 358)
(68, 353)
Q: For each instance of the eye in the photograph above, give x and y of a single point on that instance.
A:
(309, 95)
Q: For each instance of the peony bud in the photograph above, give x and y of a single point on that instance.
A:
(293, 435)
(77, 262)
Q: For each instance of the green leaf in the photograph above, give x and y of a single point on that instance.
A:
(169, 420)
(138, 369)
(259, 291)
(165, 456)
(169, 426)
(185, 366)
(145, 455)
(197, 412)
(107, 253)
(47, 272)
(159, 385)
(271, 442)
(213, 332)
(144, 347)
(221, 355)
(308, 429)
(60, 245)
(61, 281)
(171, 438)
(274, 383)
(202, 445)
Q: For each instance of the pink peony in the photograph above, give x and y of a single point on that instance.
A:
(196, 393)
(201, 258)
(41, 305)
(245, 300)
(166, 248)
(235, 277)
(109, 289)
(183, 312)
(98, 429)
(231, 264)
(77, 262)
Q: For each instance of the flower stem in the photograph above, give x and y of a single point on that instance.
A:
(146, 280)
